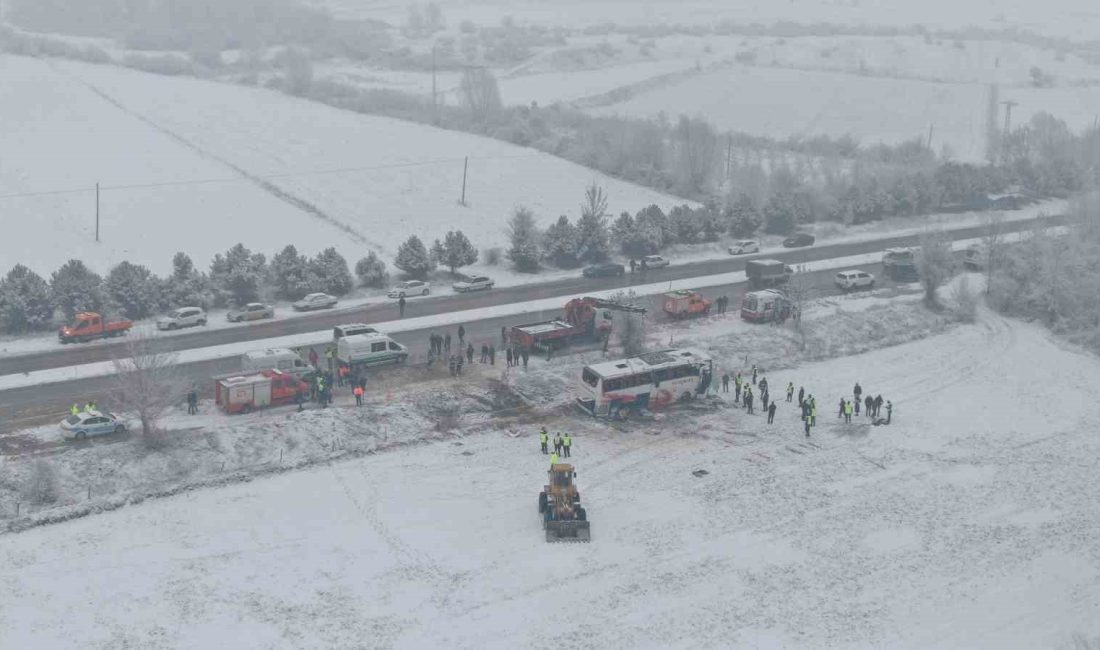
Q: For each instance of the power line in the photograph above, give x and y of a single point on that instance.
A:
(237, 179)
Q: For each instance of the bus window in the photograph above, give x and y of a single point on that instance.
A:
(590, 377)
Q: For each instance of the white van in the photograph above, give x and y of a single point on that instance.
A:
(369, 350)
(281, 359)
(854, 279)
(351, 329)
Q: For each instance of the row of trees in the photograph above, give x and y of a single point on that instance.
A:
(28, 301)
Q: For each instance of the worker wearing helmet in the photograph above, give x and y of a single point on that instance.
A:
(75, 409)
(554, 459)
(557, 443)
(543, 438)
(567, 444)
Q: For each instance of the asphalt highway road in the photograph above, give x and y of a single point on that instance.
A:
(77, 354)
(36, 405)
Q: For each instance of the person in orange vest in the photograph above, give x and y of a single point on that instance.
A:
(343, 374)
(358, 391)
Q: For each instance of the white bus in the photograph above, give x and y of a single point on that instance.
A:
(614, 388)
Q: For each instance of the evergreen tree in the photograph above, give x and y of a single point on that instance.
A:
(637, 236)
(710, 222)
(291, 274)
(592, 235)
(742, 217)
(456, 251)
(75, 288)
(523, 236)
(329, 273)
(24, 301)
(685, 224)
(133, 290)
(560, 243)
(413, 258)
(656, 220)
(238, 275)
(371, 271)
(186, 287)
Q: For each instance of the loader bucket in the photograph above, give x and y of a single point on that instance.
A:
(567, 531)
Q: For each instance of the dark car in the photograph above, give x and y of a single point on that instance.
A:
(604, 270)
(799, 239)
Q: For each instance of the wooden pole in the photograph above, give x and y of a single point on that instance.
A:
(465, 166)
(729, 153)
(435, 104)
(931, 127)
(97, 212)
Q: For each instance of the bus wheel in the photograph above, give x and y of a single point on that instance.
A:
(687, 397)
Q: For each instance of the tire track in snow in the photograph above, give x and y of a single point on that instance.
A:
(267, 186)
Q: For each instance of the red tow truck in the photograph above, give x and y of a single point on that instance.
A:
(582, 317)
(89, 325)
(244, 393)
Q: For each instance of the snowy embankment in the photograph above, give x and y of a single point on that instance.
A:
(968, 522)
(104, 368)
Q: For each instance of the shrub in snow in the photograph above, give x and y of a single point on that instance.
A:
(560, 243)
(329, 273)
(186, 287)
(24, 301)
(75, 288)
(238, 275)
(454, 251)
(290, 274)
(685, 224)
(493, 256)
(935, 263)
(371, 271)
(133, 290)
(413, 258)
(742, 218)
(41, 486)
(524, 237)
(780, 214)
(965, 300)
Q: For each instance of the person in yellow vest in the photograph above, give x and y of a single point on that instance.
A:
(543, 438)
(848, 412)
(567, 444)
(554, 459)
(89, 407)
(75, 410)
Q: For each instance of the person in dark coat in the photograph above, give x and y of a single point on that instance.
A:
(461, 334)
(840, 413)
(801, 395)
(470, 352)
(857, 391)
(526, 355)
(192, 402)
(806, 421)
(754, 371)
(764, 398)
(447, 343)
(748, 401)
(508, 356)
(484, 353)
(889, 411)
(771, 412)
(763, 384)
(870, 404)
(857, 405)
(401, 306)
(492, 355)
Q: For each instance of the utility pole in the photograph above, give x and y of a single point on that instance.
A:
(96, 207)
(729, 153)
(931, 127)
(465, 166)
(1008, 104)
(435, 105)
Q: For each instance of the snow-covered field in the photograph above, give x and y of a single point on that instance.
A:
(968, 522)
(220, 155)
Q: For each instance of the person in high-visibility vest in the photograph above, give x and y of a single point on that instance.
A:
(567, 444)
(790, 390)
(75, 410)
(358, 391)
(554, 459)
(543, 438)
(89, 407)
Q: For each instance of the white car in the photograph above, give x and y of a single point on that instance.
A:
(410, 288)
(654, 262)
(90, 423)
(182, 317)
(854, 279)
(476, 283)
(314, 301)
(744, 247)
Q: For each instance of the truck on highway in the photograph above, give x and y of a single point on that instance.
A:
(245, 393)
(88, 325)
(900, 264)
(767, 273)
(582, 318)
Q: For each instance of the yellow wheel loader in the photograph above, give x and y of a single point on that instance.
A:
(563, 518)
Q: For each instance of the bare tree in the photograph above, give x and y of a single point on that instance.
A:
(697, 153)
(936, 264)
(147, 383)
(631, 328)
(800, 291)
(480, 92)
(994, 244)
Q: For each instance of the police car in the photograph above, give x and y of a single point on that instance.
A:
(91, 423)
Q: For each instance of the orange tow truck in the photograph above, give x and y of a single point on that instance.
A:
(685, 303)
(89, 325)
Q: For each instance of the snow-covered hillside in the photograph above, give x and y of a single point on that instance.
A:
(233, 164)
(968, 522)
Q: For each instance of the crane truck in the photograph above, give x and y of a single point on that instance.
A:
(582, 317)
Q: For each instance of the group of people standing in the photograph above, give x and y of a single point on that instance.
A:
(745, 397)
(563, 445)
(872, 406)
(721, 304)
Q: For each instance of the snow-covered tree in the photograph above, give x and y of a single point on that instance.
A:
(454, 251)
(413, 258)
(780, 214)
(592, 234)
(479, 91)
(935, 263)
(24, 300)
(290, 273)
(654, 218)
(560, 243)
(238, 275)
(685, 224)
(696, 153)
(186, 287)
(710, 223)
(637, 237)
(329, 273)
(133, 289)
(75, 288)
(371, 271)
(742, 217)
(523, 236)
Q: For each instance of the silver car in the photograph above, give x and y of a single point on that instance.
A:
(476, 283)
(410, 288)
(654, 262)
(251, 311)
(744, 247)
(182, 317)
(315, 301)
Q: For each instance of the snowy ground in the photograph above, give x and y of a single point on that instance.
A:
(968, 522)
(230, 164)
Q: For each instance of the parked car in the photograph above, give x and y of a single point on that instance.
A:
(854, 279)
(182, 317)
(798, 240)
(654, 262)
(744, 247)
(410, 288)
(91, 423)
(315, 301)
(476, 283)
(251, 311)
(606, 269)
